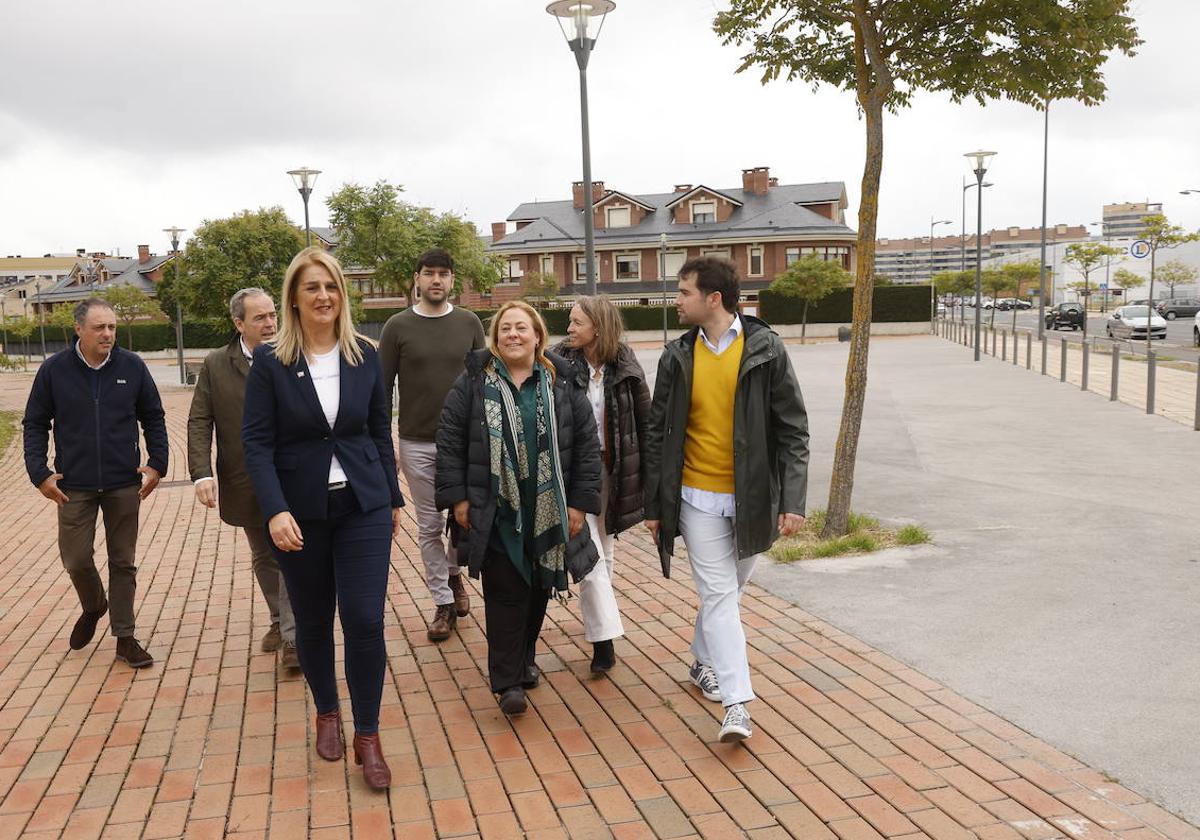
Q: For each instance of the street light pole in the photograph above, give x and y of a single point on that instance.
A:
(662, 275)
(41, 317)
(932, 293)
(305, 179)
(1042, 259)
(174, 232)
(980, 170)
(582, 42)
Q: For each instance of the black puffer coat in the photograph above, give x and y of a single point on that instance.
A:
(626, 410)
(463, 463)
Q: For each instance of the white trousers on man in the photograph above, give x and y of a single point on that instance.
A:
(418, 460)
(719, 640)
(597, 601)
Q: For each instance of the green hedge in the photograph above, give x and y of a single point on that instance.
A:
(890, 304)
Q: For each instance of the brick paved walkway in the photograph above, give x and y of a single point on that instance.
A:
(212, 742)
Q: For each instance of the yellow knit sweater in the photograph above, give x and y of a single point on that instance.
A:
(708, 449)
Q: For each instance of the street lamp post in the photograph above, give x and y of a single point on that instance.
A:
(1042, 259)
(305, 179)
(981, 159)
(580, 13)
(932, 293)
(662, 275)
(962, 239)
(174, 232)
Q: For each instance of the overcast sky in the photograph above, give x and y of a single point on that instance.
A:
(118, 119)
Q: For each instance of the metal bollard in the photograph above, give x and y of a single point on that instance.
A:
(1045, 344)
(993, 342)
(1150, 366)
(1028, 351)
(1083, 380)
(1003, 346)
(1116, 363)
(1062, 376)
(1196, 414)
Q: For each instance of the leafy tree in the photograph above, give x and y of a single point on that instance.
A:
(1128, 280)
(250, 248)
(130, 303)
(1175, 273)
(377, 230)
(62, 317)
(810, 278)
(995, 283)
(885, 51)
(1020, 274)
(957, 283)
(877, 281)
(1087, 257)
(538, 288)
(1159, 233)
(21, 327)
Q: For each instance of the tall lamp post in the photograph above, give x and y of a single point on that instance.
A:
(963, 238)
(932, 293)
(174, 232)
(582, 41)
(662, 276)
(41, 316)
(1042, 258)
(305, 179)
(981, 159)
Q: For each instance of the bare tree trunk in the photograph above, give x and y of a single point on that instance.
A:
(841, 485)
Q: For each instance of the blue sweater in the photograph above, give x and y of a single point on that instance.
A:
(95, 416)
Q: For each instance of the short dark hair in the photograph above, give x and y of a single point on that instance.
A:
(84, 307)
(435, 258)
(715, 274)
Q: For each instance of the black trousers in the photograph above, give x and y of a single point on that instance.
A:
(514, 612)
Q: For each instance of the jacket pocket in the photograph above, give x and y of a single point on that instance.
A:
(371, 452)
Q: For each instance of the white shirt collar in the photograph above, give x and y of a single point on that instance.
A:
(245, 350)
(725, 340)
(79, 353)
(449, 308)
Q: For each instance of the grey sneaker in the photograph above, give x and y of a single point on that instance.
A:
(737, 724)
(705, 679)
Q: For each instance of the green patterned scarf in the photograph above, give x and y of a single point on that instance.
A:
(509, 466)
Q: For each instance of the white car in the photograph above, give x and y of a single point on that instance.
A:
(1132, 322)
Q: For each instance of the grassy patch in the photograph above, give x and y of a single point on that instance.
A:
(866, 535)
(8, 428)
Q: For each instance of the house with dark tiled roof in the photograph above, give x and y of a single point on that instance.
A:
(763, 226)
(93, 275)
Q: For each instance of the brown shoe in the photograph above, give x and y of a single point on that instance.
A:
(444, 620)
(273, 639)
(330, 745)
(369, 754)
(462, 601)
(288, 658)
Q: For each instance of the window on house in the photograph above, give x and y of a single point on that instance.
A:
(756, 262)
(618, 217)
(581, 269)
(514, 270)
(629, 267)
(790, 256)
(675, 261)
(704, 211)
(716, 252)
(547, 264)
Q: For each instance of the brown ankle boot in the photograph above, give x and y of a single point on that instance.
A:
(330, 745)
(462, 601)
(443, 622)
(369, 753)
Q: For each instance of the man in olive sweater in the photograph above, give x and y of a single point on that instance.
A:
(424, 347)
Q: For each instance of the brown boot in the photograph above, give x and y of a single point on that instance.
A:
(369, 754)
(330, 745)
(444, 620)
(462, 601)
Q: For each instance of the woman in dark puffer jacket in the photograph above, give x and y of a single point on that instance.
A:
(616, 388)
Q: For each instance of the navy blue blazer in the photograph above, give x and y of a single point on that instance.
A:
(289, 444)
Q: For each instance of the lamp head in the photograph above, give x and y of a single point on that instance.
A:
(980, 159)
(580, 15)
(304, 178)
(174, 233)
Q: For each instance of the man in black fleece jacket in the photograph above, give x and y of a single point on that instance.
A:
(93, 395)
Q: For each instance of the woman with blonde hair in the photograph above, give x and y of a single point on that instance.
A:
(319, 451)
(519, 466)
(620, 401)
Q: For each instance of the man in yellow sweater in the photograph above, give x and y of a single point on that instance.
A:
(726, 467)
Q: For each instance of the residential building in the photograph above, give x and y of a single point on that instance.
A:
(914, 261)
(763, 226)
(93, 274)
(1124, 221)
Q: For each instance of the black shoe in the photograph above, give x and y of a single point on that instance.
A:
(133, 654)
(533, 675)
(512, 701)
(603, 656)
(85, 627)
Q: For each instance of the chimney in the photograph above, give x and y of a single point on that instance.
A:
(143, 253)
(682, 188)
(577, 193)
(499, 229)
(772, 182)
(756, 181)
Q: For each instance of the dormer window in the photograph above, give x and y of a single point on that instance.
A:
(704, 212)
(617, 217)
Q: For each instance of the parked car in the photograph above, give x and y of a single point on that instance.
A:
(1008, 304)
(1142, 302)
(1172, 308)
(1065, 315)
(1132, 322)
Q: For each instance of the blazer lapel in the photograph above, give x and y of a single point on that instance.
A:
(303, 379)
(238, 361)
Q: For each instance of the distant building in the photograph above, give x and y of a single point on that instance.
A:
(93, 274)
(1124, 221)
(909, 260)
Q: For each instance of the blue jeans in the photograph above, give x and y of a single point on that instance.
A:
(344, 564)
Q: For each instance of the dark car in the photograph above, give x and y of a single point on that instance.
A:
(1173, 308)
(1065, 315)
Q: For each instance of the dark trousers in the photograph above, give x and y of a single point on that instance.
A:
(76, 544)
(514, 613)
(344, 564)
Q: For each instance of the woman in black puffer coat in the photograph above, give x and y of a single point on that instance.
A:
(616, 387)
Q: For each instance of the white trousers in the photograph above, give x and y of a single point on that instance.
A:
(718, 640)
(418, 460)
(597, 602)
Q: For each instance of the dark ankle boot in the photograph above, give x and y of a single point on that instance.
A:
(330, 745)
(603, 656)
(369, 753)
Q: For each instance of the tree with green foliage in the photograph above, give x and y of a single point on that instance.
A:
(62, 317)
(1175, 273)
(1159, 233)
(539, 289)
(1019, 274)
(21, 327)
(958, 284)
(130, 303)
(377, 230)
(995, 283)
(250, 248)
(810, 279)
(885, 52)
(1128, 281)
(1086, 257)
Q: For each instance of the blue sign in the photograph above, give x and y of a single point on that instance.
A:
(1139, 249)
(1104, 287)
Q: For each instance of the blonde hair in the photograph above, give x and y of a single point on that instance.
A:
(539, 327)
(289, 341)
(606, 321)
